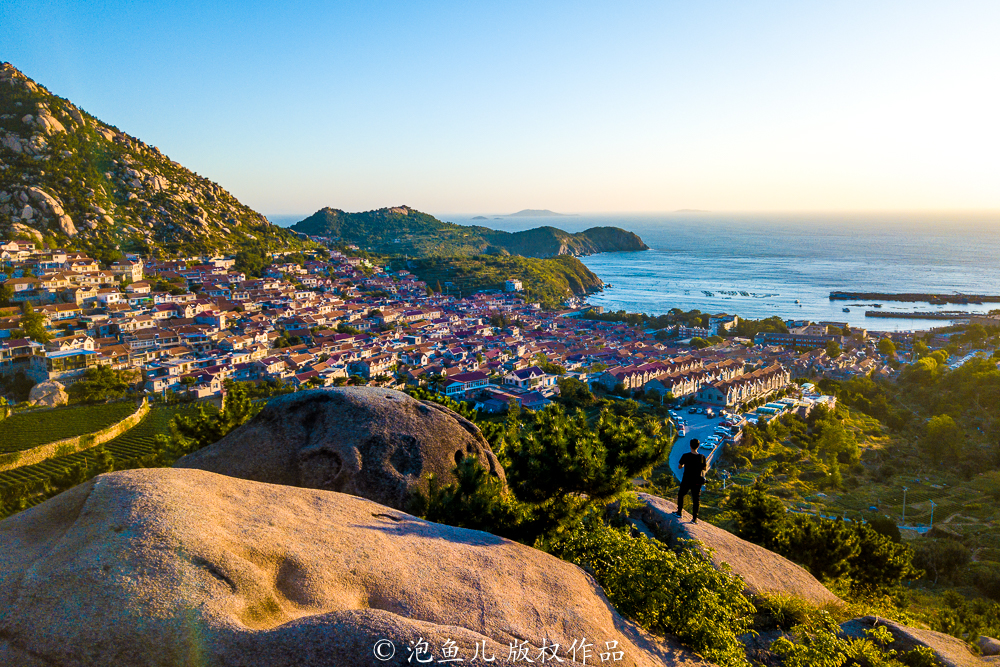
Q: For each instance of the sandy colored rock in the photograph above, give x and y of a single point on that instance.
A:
(763, 571)
(369, 442)
(67, 226)
(48, 394)
(46, 200)
(952, 652)
(172, 567)
(19, 229)
(49, 123)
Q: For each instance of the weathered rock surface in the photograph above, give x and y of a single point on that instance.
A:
(182, 567)
(989, 646)
(369, 442)
(763, 571)
(48, 394)
(18, 229)
(950, 651)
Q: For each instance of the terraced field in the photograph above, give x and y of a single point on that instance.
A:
(38, 427)
(127, 449)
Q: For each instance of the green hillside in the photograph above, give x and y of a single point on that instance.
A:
(548, 281)
(77, 182)
(403, 230)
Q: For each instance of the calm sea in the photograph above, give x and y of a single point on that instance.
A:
(787, 265)
(758, 265)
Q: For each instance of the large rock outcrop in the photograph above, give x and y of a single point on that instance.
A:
(369, 442)
(48, 394)
(950, 651)
(166, 567)
(763, 571)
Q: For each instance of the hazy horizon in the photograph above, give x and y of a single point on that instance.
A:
(972, 219)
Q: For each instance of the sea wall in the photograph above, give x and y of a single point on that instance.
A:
(928, 298)
(72, 445)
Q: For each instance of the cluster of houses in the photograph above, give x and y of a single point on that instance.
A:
(187, 325)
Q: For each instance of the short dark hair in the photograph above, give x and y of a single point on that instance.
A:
(694, 443)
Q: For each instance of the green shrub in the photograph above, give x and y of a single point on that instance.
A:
(558, 466)
(885, 525)
(100, 383)
(828, 548)
(940, 558)
(966, 618)
(985, 576)
(665, 591)
(818, 643)
(782, 611)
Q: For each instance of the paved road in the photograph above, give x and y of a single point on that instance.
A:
(698, 426)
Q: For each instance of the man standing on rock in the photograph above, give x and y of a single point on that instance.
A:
(693, 464)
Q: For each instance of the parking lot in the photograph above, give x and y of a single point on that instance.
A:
(697, 426)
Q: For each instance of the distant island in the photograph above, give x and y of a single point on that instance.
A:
(539, 213)
(480, 217)
(401, 230)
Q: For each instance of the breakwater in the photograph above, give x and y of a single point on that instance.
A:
(942, 315)
(928, 298)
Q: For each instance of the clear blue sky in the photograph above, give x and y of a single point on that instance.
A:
(574, 106)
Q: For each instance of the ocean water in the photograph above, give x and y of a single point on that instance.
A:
(758, 265)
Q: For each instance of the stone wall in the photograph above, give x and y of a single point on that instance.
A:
(72, 445)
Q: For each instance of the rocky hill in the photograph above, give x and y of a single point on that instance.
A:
(403, 230)
(78, 182)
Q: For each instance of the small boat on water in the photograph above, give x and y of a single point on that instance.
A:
(847, 310)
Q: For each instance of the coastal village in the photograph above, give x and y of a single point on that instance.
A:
(370, 436)
(186, 326)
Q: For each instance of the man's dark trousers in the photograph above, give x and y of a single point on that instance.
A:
(694, 488)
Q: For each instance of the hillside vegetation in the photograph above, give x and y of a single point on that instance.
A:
(547, 281)
(403, 230)
(77, 182)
